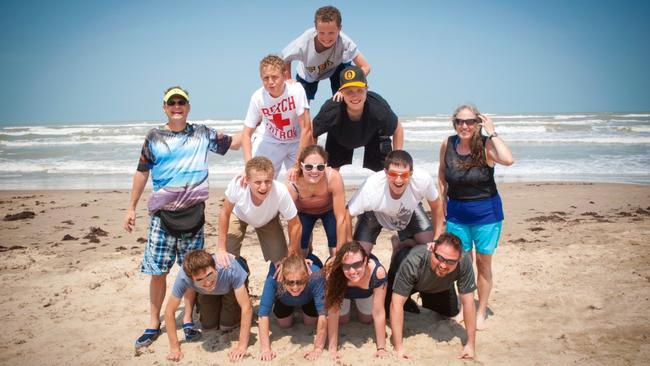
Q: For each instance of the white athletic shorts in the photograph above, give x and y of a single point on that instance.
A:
(285, 153)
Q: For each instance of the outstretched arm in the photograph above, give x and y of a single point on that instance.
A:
(338, 197)
(246, 136)
(306, 138)
(361, 61)
(238, 352)
(379, 317)
(397, 323)
(295, 230)
(469, 316)
(437, 216)
(175, 353)
(224, 220)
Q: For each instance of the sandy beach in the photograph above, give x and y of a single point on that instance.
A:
(572, 284)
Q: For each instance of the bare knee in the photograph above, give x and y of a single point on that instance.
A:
(484, 265)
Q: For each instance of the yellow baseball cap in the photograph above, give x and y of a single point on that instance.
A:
(175, 91)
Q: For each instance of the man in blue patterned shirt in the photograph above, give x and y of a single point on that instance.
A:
(176, 154)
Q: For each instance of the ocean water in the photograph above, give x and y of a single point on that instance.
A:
(592, 147)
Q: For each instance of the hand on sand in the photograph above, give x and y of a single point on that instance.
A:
(268, 355)
(236, 354)
(467, 352)
(175, 355)
(313, 354)
(129, 220)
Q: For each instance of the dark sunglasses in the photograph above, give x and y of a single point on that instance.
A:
(309, 167)
(449, 262)
(209, 277)
(393, 174)
(290, 283)
(468, 122)
(356, 265)
(180, 102)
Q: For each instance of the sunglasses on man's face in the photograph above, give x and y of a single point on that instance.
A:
(291, 283)
(467, 122)
(394, 174)
(310, 167)
(447, 261)
(180, 102)
(208, 278)
(356, 265)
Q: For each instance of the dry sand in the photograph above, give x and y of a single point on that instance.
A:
(572, 285)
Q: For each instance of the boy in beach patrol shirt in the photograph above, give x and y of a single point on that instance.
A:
(283, 110)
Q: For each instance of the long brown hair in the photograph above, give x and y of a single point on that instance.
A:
(477, 147)
(337, 283)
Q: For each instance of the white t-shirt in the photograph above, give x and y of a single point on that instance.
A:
(278, 115)
(277, 200)
(314, 66)
(392, 214)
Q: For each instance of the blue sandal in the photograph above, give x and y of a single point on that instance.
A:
(147, 337)
(191, 334)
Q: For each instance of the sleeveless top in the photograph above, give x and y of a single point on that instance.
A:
(362, 293)
(470, 184)
(316, 204)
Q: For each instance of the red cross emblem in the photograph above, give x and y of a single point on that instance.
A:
(279, 122)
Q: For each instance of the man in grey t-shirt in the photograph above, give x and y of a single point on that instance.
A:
(432, 270)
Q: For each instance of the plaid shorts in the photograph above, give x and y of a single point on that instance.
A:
(162, 249)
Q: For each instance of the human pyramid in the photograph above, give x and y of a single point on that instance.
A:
(430, 254)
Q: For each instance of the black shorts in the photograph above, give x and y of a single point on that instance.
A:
(368, 228)
(374, 153)
(282, 311)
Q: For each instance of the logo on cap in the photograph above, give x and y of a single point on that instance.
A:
(349, 75)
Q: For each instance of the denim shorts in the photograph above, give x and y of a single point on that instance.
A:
(485, 237)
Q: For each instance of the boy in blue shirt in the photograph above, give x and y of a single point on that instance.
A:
(222, 297)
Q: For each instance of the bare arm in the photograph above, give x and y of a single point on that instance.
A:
(442, 182)
(287, 70)
(333, 332)
(437, 216)
(338, 196)
(235, 144)
(306, 138)
(139, 182)
(319, 340)
(496, 150)
(469, 316)
(295, 231)
(361, 61)
(397, 323)
(379, 317)
(175, 353)
(398, 137)
(244, 301)
(246, 136)
(263, 324)
(224, 221)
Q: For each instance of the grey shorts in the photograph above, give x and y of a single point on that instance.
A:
(368, 228)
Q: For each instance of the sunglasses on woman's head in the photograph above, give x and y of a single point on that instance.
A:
(310, 167)
(468, 122)
(180, 102)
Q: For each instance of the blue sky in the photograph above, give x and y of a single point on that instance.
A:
(100, 61)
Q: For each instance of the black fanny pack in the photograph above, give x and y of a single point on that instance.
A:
(186, 221)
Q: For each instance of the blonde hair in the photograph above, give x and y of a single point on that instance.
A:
(260, 164)
(273, 61)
